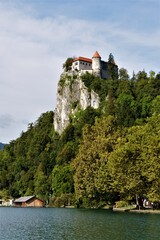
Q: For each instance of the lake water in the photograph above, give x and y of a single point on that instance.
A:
(76, 224)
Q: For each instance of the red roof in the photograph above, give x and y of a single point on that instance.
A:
(96, 55)
(83, 59)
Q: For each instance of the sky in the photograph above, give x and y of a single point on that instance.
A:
(37, 36)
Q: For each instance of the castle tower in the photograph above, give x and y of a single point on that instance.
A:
(96, 64)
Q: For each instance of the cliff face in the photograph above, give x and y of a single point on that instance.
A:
(72, 95)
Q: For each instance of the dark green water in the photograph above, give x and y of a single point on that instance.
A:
(76, 224)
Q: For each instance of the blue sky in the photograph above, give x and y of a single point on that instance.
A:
(36, 37)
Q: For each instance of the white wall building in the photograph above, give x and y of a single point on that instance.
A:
(82, 63)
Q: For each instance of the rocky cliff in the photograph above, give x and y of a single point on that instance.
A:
(72, 96)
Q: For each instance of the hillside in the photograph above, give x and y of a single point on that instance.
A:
(2, 145)
(105, 153)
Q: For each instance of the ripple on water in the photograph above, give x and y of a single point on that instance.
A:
(76, 224)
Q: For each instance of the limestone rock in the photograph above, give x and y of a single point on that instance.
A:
(72, 95)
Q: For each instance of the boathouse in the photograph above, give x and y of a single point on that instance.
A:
(29, 201)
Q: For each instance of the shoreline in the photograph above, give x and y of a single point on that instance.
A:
(136, 210)
(146, 211)
(130, 210)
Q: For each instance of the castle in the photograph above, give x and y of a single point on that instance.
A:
(72, 93)
(94, 66)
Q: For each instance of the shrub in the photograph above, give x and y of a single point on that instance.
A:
(121, 204)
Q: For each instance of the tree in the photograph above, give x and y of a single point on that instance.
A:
(125, 170)
(123, 74)
(111, 59)
(91, 177)
(151, 75)
(134, 165)
(125, 110)
(68, 63)
(62, 180)
(142, 75)
(156, 105)
(41, 183)
(112, 68)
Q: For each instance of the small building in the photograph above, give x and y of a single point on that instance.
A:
(82, 63)
(29, 201)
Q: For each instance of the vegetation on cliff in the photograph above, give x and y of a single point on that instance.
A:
(104, 155)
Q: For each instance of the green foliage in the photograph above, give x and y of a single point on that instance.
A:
(123, 74)
(74, 105)
(82, 118)
(125, 110)
(68, 63)
(112, 68)
(66, 79)
(114, 164)
(156, 105)
(91, 174)
(98, 85)
(26, 163)
(63, 201)
(105, 155)
(41, 183)
(67, 153)
(121, 204)
(62, 180)
(62, 82)
(4, 194)
(111, 58)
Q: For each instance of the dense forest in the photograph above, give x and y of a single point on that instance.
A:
(104, 155)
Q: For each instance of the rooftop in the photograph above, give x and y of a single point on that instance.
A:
(83, 59)
(24, 199)
(96, 55)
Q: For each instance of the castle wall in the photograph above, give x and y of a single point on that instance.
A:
(85, 71)
(104, 70)
(104, 74)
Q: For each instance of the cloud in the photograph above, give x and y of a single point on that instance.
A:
(33, 49)
(5, 121)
